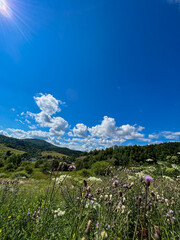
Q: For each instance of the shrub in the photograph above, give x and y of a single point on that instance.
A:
(29, 169)
(2, 175)
(84, 173)
(9, 166)
(1, 163)
(46, 167)
(20, 175)
(171, 172)
(101, 168)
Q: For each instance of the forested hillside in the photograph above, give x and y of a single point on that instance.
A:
(132, 155)
(33, 147)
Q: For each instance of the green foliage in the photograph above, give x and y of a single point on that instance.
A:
(1, 163)
(9, 167)
(91, 209)
(3, 175)
(20, 175)
(84, 173)
(29, 169)
(100, 168)
(46, 167)
(33, 147)
(171, 172)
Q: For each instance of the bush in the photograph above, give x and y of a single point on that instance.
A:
(171, 172)
(20, 175)
(84, 173)
(1, 163)
(101, 168)
(25, 163)
(29, 169)
(46, 167)
(9, 166)
(3, 175)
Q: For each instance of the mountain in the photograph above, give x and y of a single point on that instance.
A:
(34, 147)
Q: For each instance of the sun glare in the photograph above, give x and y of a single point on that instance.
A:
(4, 9)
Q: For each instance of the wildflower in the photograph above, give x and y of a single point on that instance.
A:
(37, 231)
(141, 179)
(125, 185)
(139, 199)
(106, 197)
(167, 202)
(157, 233)
(152, 194)
(88, 227)
(171, 211)
(173, 200)
(123, 208)
(0, 230)
(28, 212)
(94, 179)
(110, 197)
(120, 193)
(104, 235)
(88, 189)
(9, 217)
(83, 238)
(115, 183)
(85, 182)
(73, 167)
(59, 213)
(148, 180)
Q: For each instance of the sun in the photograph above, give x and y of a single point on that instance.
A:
(4, 9)
(3, 6)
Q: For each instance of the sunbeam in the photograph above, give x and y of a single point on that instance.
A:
(18, 15)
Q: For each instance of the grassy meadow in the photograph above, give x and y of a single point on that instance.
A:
(125, 203)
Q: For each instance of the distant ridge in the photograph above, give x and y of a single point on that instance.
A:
(34, 147)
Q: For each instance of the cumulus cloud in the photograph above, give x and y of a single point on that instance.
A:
(81, 136)
(49, 106)
(2, 132)
(21, 134)
(169, 135)
(80, 130)
(108, 129)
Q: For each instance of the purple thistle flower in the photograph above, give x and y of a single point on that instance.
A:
(167, 215)
(125, 185)
(37, 231)
(139, 199)
(148, 180)
(171, 211)
(115, 183)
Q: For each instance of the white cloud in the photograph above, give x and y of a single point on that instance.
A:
(48, 104)
(2, 132)
(79, 137)
(21, 134)
(108, 129)
(80, 130)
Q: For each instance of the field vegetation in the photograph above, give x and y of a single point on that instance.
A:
(117, 193)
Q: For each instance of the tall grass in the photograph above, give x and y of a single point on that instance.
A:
(112, 207)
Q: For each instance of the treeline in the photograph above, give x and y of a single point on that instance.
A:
(131, 155)
(34, 147)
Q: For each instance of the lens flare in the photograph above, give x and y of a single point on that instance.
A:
(4, 8)
(19, 16)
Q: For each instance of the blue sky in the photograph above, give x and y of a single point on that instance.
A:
(92, 73)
